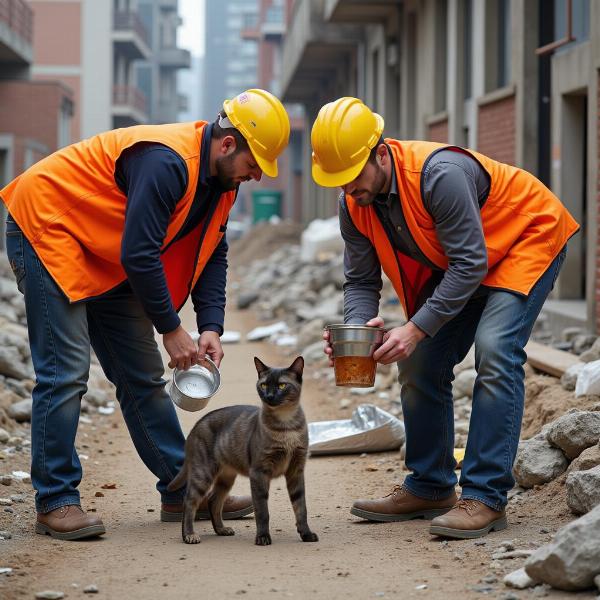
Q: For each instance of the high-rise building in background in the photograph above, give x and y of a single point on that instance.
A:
(157, 76)
(231, 62)
(191, 82)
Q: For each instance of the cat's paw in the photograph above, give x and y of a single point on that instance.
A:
(263, 540)
(309, 537)
(225, 531)
(192, 538)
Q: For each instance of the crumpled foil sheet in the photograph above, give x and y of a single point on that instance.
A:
(370, 429)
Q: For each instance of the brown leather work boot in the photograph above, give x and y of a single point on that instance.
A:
(401, 505)
(69, 522)
(234, 507)
(468, 519)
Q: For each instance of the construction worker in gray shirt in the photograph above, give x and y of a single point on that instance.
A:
(473, 248)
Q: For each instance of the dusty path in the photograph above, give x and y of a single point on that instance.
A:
(140, 557)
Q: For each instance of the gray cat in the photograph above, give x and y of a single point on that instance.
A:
(261, 443)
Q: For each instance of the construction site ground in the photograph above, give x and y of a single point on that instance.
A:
(140, 557)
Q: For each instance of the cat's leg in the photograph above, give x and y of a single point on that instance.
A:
(199, 482)
(294, 478)
(220, 490)
(259, 486)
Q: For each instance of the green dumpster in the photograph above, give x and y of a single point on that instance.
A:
(265, 204)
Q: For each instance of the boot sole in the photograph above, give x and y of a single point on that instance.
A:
(467, 534)
(385, 518)
(78, 534)
(204, 515)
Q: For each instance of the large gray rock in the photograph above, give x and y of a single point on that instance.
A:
(463, 384)
(588, 459)
(10, 363)
(572, 560)
(583, 342)
(583, 490)
(20, 411)
(538, 462)
(574, 432)
(592, 354)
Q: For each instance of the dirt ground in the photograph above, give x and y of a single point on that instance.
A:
(140, 557)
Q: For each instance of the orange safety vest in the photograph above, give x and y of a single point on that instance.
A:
(524, 224)
(71, 210)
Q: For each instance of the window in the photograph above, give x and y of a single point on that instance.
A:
(504, 43)
(441, 55)
(580, 20)
(467, 47)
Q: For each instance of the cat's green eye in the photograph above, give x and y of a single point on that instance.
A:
(263, 386)
(281, 386)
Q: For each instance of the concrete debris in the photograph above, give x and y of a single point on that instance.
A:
(519, 579)
(261, 333)
(20, 411)
(583, 490)
(538, 462)
(574, 432)
(569, 377)
(572, 560)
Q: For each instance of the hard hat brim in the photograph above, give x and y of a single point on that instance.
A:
(327, 179)
(268, 167)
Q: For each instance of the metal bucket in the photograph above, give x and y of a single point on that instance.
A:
(191, 389)
(353, 348)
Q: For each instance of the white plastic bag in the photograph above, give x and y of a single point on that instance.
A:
(588, 381)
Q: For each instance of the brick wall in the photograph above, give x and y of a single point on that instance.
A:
(29, 110)
(438, 132)
(496, 134)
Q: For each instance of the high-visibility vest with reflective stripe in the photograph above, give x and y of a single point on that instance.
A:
(72, 211)
(525, 225)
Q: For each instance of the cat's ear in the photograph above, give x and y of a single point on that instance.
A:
(297, 367)
(260, 366)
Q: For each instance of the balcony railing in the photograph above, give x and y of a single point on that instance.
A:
(19, 17)
(129, 95)
(130, 21)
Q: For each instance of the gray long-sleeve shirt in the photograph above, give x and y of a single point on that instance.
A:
(454, 187)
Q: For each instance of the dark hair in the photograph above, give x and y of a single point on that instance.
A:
(373, 155)
(218, 133)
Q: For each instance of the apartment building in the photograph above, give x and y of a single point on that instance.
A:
(515, 79)
(35, 116)
(157, 75)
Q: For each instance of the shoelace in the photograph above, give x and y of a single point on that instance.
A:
(467, 505)
(397, 489)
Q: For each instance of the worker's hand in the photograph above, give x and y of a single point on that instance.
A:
(398, 343)
(181, 348)
(328, 349)
(210, 343)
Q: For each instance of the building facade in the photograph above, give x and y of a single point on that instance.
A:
(517, 80)
(157, 76)
(231, 59)
(35, 116)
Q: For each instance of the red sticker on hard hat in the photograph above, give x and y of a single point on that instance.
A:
(243, 98)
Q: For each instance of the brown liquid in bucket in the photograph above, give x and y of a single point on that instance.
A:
(354, 371)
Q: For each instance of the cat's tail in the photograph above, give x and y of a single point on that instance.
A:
(179, 480)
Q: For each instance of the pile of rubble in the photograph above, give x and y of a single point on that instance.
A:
(17, 376)
(302, 296)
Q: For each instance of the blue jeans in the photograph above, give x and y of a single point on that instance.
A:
(60, 335)
(499, 323)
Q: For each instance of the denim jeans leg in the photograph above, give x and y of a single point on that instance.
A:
(60, 352)
(426, 379)
(123, 339)
(498, 394)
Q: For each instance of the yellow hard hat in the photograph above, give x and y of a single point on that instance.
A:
(342, 138)
(264, 123)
